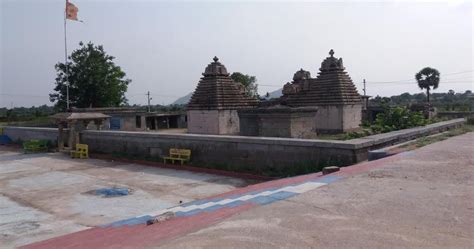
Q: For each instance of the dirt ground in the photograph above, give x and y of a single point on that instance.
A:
(418, 199)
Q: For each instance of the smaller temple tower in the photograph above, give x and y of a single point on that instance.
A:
(214, 104)
(332, 92)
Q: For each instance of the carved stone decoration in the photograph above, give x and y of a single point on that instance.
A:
(301, 75)
(332, 63)
(289, 89)
(215, 68)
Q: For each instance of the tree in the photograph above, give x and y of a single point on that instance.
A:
(249, 82)
(94, 79)
(427, 78)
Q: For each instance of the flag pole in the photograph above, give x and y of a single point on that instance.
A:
(65, 58)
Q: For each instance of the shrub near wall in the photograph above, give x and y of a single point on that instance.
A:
(397, 118)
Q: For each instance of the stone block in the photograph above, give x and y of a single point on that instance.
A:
(330, 169)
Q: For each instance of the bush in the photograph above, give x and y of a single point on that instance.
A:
(357, 134)
(397, 118)
(470, 120)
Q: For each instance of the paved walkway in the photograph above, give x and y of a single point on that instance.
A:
(46, 195)
(422, 198)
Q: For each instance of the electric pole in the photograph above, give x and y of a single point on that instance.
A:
(364, 88)
(149, 99)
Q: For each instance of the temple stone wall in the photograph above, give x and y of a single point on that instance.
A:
(274, 125)
(303, 126)
(219, 122)
(249, 124)
(329, 119)
(228, 122)
(338, 118)
(203, 122)
(352, 117)
(278, 123)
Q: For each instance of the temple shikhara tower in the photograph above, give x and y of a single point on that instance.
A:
(214, 104)
(309, 106)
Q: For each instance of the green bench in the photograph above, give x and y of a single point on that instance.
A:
(181, 155)
(35, 145)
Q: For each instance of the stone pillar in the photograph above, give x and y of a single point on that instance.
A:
(77, 138)
(72, 134)
(60, 136)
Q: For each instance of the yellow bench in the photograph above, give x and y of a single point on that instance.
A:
(82, 151)
(182, 155)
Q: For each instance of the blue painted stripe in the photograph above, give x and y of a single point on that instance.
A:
(204, 201)
(327, 179)
(209, 209)
(259, 200)
(278, 196)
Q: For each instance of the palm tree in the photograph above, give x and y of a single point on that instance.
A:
(427, 78)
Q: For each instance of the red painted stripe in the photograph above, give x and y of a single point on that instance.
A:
(138, 236)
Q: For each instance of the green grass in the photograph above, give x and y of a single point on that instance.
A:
(39, 121)
(442, 136)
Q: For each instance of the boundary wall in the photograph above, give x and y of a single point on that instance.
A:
(236, 151)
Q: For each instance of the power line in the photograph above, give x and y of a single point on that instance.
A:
(459, 72)
(403, 83)
(24, 95)
(145, 94)
(396, 81)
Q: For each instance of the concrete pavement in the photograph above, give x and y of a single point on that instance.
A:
(417, 199)
(46, 195)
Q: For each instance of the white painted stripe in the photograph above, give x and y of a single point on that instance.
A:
(297, 189)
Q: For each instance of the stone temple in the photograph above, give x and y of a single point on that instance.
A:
(309, 106)
(332, 92)
(215, 102)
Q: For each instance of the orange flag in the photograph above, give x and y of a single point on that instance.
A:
(71, 11)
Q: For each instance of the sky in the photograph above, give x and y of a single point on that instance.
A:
(163, 47)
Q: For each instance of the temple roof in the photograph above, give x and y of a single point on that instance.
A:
(67, 116)
(217, 91)
(332, 86)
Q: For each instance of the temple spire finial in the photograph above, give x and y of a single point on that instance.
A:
(331, 52)
(216, 59)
